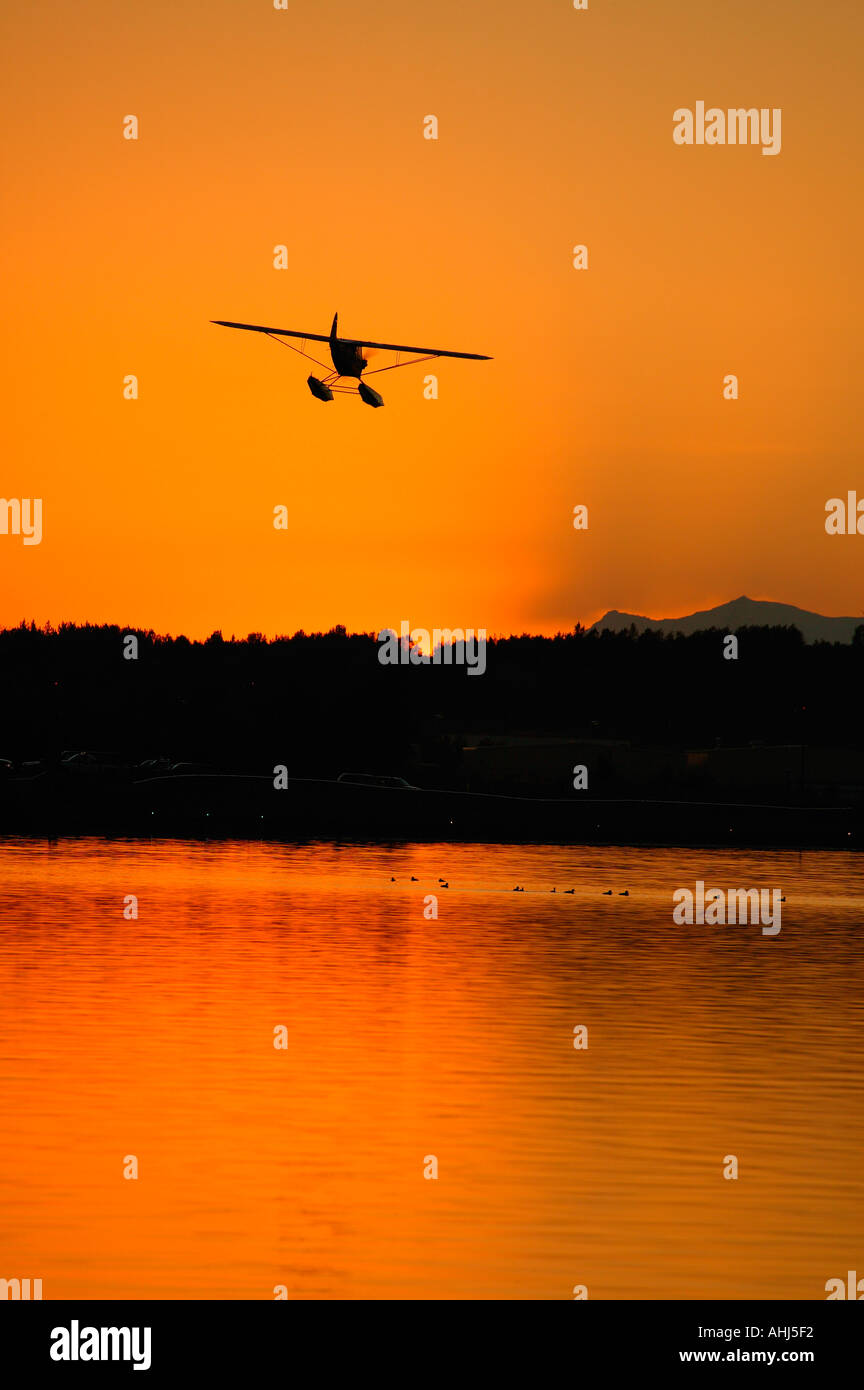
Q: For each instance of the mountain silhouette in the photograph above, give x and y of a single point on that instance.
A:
(740, 612)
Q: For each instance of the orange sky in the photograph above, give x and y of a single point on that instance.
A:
(260, 127)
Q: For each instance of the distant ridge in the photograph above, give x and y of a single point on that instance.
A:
(741, 612)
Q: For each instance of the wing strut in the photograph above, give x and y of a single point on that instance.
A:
(327, 367)
(415, 361)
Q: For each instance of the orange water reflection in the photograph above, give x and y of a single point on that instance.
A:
(409, 1037)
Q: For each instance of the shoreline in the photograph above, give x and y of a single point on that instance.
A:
(238, 806)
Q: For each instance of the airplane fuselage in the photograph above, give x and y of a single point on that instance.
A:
(347, 358)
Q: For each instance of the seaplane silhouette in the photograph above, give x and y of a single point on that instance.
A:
(347, 357)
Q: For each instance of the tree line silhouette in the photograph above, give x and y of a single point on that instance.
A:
(322, 703)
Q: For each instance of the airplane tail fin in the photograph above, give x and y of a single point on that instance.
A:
(333, 330)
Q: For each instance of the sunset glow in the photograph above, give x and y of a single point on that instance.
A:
(260, 127)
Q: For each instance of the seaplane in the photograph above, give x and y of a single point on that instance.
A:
(349, 362)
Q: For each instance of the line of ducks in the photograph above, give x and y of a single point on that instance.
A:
(416, 880)
(607, 892)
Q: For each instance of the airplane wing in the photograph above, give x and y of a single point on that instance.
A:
(352, 342)
(282, 332)
(403, 347)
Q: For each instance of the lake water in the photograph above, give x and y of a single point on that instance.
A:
(409, 1037)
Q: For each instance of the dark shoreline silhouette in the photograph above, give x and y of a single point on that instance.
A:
(678, 744)
(216, 806)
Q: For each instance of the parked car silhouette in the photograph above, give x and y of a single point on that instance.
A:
(92, 763)
(151, 766)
